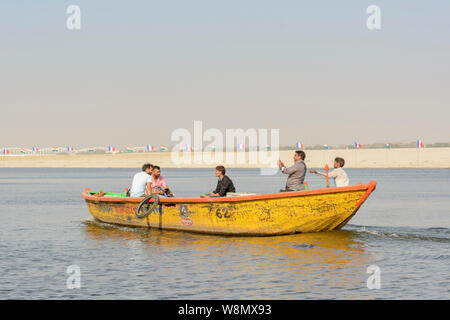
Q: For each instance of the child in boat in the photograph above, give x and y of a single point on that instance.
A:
(338, 174)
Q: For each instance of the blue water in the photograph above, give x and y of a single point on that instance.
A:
(403, 229)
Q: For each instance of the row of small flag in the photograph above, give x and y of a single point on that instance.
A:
(299, 145)
(188, 147)
(70, 149)
(111, 149)
(357, 145)
(240, 146)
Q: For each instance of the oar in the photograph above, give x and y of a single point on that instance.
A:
(326, 171)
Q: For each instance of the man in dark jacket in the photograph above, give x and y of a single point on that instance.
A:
(224, 184)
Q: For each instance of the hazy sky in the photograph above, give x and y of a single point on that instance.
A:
(137, 70)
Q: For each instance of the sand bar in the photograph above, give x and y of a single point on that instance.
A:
(355, 158)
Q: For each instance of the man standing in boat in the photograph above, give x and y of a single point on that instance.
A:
(142, 182)
(224, 184)
(296, 172)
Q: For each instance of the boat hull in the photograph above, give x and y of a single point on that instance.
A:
(261, 215)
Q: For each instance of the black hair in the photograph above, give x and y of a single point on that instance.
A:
(221, 169)
(301, 154)
(147, 166)
(341, 161)
(156, 167)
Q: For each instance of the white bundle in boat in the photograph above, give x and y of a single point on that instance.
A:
(240, 194)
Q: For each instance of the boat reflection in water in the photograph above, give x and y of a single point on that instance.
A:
(312, 265)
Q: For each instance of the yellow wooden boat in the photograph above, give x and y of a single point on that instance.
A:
(256, 215)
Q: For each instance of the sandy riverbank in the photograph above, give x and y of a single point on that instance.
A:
(359, 158)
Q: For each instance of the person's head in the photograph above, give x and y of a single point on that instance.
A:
(156, 172)
(220, 171)
(339, 162)
(147, 168)
(299, 155)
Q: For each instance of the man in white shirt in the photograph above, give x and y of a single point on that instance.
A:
(142, 182)
(338, 174)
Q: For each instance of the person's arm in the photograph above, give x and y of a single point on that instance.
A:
(220, 191)
(280, 164)
(163, 182)
(331, 174)
(148, 186)
(166, 187)
(289, 170)
(226, 183)
(323, 174)
(214, 193)
(217, 188)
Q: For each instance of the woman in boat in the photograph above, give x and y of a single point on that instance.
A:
(224, 184)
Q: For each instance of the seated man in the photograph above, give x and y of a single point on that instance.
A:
(224, 184)
(142, 182)
(338, 174)
(296, 172)
(159, 185)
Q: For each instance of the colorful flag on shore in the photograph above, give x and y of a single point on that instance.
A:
(35, 149)
(267, 147)
(241, 146)
(188, 147)
(130, 149)
(325, 146)
(357, 145)
(299, 145)
(163, 148)
(419, 144)
(388, 145)
(213, 148)
(91, 149)
(22, 150)
(70, 149)
(5, 151)
(55, 149)
(150, 148)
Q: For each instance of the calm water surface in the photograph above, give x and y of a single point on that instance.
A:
(403, 228)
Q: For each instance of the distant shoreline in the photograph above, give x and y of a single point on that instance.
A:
(355, 158)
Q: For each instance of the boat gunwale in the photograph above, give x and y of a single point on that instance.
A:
(369, 187)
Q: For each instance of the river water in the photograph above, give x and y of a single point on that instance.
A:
(402, 231)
